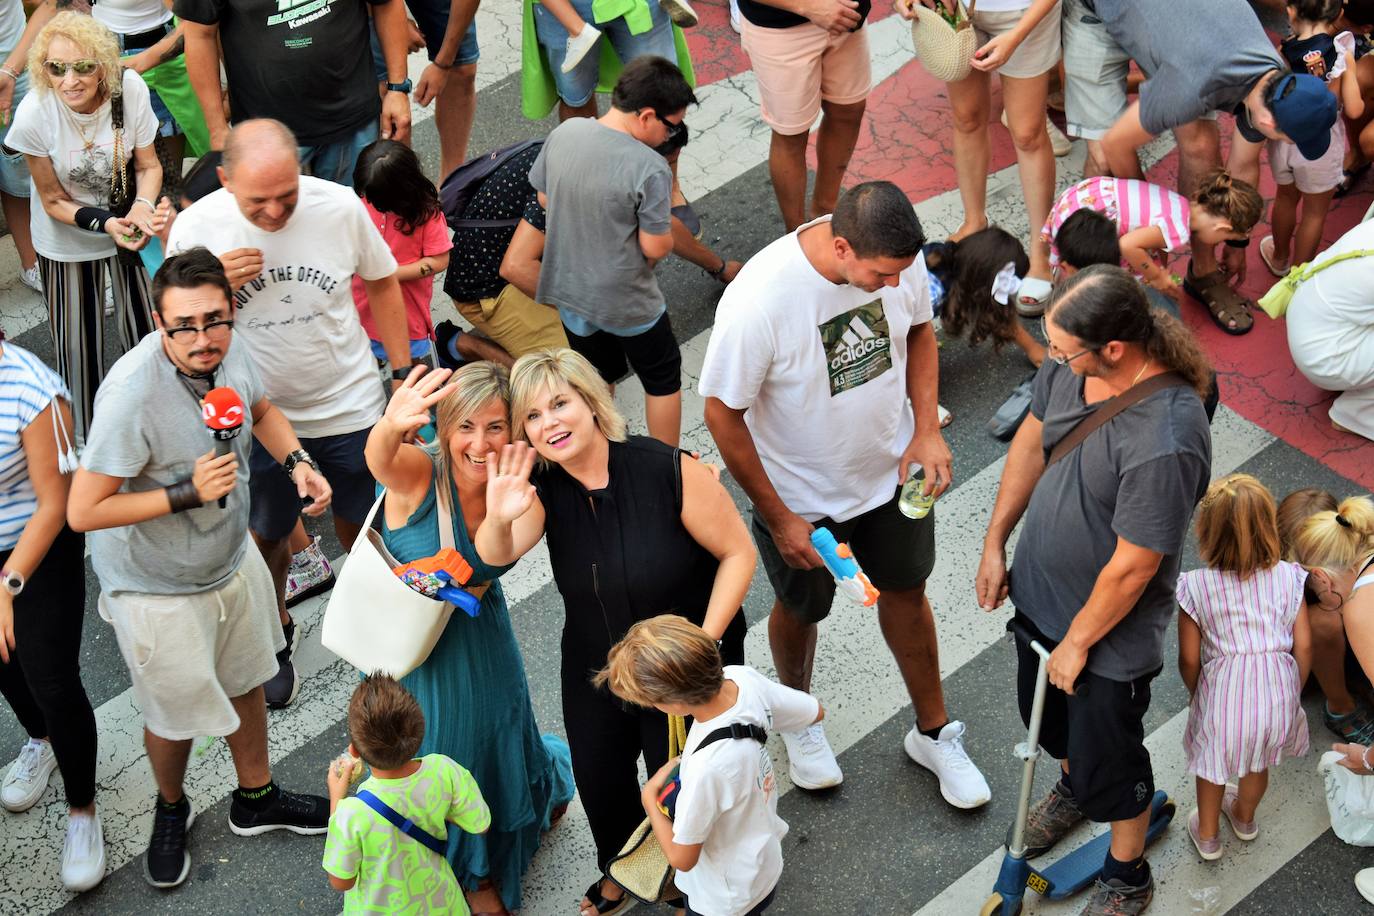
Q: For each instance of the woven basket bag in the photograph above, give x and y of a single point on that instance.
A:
(945, 51)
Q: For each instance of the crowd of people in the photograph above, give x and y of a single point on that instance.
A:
(308, 232)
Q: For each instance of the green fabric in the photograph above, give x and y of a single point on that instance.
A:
(476, 700)
(1275, 302)
(396, 874)
(170, 81)
(539, 92)
(636, 12)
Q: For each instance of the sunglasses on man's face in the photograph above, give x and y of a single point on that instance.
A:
(59, 68)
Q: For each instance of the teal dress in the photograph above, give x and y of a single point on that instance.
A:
(476, 702)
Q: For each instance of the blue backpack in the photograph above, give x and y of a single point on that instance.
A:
(462, 183)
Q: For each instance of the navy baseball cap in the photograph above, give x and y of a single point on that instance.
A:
(1304, 109)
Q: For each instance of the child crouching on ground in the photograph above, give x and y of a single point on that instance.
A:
(380, 865)
(725, 838)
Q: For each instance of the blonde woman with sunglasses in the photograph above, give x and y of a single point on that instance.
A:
(77, 156)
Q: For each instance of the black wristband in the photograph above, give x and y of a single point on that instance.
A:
(401, 374)
(1237, 243)
(182, 495)
(92, 219)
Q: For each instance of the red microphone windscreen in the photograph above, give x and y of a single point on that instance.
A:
(222, 409)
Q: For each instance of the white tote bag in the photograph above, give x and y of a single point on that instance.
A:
(1350, 801)
(376, 622)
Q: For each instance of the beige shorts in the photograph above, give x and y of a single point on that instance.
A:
(1034, 56)
(516, 322)
(798, 67)
(188, 655)
(1312, 176)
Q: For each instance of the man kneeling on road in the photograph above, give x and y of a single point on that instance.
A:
(189, 596)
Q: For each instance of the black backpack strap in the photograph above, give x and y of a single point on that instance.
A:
(735, 730)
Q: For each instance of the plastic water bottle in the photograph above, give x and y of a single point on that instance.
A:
(913, 503)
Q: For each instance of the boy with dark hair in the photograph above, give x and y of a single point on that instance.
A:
(1086, 238)
(724, 836)
(379, 871)
(608, 195)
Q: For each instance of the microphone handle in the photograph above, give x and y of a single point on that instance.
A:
(222, 448)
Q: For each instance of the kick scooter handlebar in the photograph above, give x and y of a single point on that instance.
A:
(1016, 628)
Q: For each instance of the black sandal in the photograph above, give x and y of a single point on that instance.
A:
(602, 905)
(1349, 178)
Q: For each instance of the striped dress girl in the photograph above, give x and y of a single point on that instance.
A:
(1246, 714)
(1128, 202)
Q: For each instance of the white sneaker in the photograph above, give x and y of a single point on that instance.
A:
(810, 760)
(1060, 143)
(1364, 883)
(681, 12)
(734, 15)
(960, 782)
(32, 279)
(28, 777)
(579, 45)
(83, 855)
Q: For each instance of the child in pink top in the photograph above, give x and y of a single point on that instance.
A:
(404, 206)
(1244, 650)
(1154, 222)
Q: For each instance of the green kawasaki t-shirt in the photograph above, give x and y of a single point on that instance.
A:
(395, 873)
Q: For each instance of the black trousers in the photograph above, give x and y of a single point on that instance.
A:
(42, 681)
(607, 737)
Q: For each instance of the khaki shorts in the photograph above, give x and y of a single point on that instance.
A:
(189, 655)
(516, 322)
(1312, 176)
(1034, 56)
(798, 67)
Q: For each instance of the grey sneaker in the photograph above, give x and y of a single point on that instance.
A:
(309, 575)
(1354, 727)
(1116, 898)
(1049, 821)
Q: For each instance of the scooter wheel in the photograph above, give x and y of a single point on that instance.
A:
(996, 906)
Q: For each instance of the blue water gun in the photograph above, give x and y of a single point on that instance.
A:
(839, 559)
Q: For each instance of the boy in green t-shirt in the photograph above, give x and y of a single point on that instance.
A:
(381, 869)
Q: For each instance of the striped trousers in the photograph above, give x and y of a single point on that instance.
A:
(75, 294)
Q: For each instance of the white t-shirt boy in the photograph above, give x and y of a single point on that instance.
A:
(298, 318)
(728, 803)
(820, 369)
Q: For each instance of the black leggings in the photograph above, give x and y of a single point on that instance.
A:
(42, 681)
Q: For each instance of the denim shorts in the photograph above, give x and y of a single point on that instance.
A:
(275, 504)
(432, 18)
(335, 161)
(14, 169)
(576, 88)
(167, 125)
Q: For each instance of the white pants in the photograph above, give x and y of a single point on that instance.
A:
(1334, 348)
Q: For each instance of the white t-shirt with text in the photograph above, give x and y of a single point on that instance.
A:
(728, 801)
(298, 318)
(820, 370)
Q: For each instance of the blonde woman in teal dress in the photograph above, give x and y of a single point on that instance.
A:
(472, 688)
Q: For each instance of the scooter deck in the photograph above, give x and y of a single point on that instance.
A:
(1081, 867)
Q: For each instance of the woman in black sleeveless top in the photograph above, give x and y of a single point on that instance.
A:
(634, 530)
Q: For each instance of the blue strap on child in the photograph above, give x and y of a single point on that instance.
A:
(406, 826)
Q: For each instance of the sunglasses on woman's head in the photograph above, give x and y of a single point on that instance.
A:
(58, 68)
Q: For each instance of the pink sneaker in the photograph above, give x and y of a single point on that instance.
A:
(1210, 850)
(1244, 830)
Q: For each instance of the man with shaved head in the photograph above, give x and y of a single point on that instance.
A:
(290, 245)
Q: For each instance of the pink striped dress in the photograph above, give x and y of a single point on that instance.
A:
(1246, 714)
(1131, 204)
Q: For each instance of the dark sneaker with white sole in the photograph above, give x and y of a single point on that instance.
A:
(167, 863)
(1049, 821)
(283, 686)
(303, 814)
(1117, 898)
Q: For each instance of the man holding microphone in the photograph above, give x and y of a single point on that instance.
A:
(189, 597)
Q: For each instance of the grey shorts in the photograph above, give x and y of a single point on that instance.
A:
(1095, 70)
(894, 551)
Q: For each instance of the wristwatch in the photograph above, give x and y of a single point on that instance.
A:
(401, 374)
(13, 581)
(296, 457)
(400, 87)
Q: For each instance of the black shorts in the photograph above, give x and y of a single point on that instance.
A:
(895, 552)
(653, 355)
(1100, 730)
(276, 505)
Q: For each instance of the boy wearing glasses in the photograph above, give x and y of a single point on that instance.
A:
(189, 597)
(608, 192)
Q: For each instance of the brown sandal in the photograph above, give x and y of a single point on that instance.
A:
(1228, 308)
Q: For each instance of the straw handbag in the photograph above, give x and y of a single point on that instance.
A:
(945, 50)
(641, 867)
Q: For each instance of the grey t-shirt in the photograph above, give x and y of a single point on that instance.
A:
(603, 186)
(1198, 57)
(1138, 477)
(148, 430)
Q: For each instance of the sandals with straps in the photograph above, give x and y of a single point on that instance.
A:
(1228, 308)
(603, 906)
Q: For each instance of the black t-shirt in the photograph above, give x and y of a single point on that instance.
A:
(771, 17)
(306, 63)
(1315, 55)
(474, 268)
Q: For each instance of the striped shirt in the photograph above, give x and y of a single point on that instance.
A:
(1130, 203)
(27, 386)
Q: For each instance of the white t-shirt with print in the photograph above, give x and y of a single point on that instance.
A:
(45, 126)
(820, 370)
(298, 318)
(728, 800)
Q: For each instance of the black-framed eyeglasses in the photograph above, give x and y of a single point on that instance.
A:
(58, 68)
(1050, 348)
(674, 130)
(215, 331)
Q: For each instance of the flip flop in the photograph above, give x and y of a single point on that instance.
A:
(1266, 249)
(1032, 296)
